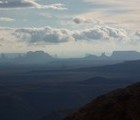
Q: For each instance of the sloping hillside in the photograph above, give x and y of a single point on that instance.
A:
(122, 104)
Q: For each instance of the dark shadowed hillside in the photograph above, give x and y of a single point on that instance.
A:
(98, 80)
(122, 104)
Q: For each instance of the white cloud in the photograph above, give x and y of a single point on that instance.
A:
(48, 35)
(102, 34)
(6, 19)
(7, 4)
(118, 12)
(18, 4)
(56, 6)
(52, 35)
(115, 3)
(43, 35)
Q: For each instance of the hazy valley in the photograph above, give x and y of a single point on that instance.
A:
(52, 91)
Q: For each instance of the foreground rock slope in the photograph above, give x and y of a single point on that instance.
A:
(121, 104)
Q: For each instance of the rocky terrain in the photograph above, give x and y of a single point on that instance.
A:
(121, 104)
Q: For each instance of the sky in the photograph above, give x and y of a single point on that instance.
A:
(69, 27)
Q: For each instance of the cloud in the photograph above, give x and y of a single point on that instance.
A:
(80, 20)
(48, 35)
(118, 12)
(56, 6)
(7, 4)
(115, 3)
(6, 19)
(137, 36)
(101, 33)
(52, 35)
(43, 35)
(18, 4)
(138, 33)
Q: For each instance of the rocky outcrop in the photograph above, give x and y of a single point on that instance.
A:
(121, 104)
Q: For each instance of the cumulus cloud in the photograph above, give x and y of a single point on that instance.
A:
(48, 35)
(6, 19)
(101, 33)
(51, 35)
(29, 3)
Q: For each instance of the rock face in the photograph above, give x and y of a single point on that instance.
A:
(121, 104)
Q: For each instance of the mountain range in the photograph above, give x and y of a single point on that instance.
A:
(41, 58)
